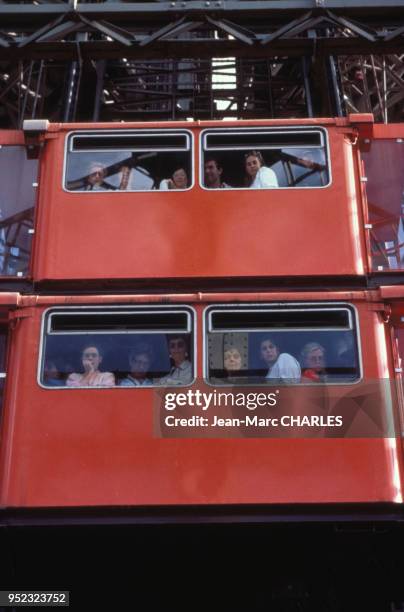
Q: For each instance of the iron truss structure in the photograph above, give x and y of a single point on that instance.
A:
(126, 61)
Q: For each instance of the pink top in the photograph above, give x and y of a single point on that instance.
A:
(94, 379)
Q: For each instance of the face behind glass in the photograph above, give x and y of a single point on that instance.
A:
(178, 350)
(252, 165)
(91, 358)
(232, 360)
(140, 365)
(96, 176)
(180, 179)
(212, 173)
(269, 352)
(315, 360)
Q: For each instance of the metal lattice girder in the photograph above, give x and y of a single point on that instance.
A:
(203, 29)
(117, 60)
(374, 84)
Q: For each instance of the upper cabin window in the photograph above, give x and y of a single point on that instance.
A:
(298, 344)
(264, 159)
(19, 177)
(128, 347)
(129, 161)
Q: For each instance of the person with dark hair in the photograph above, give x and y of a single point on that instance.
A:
(258, 175)
(181, 370)
(51, 375)
(140, 358)
(91, 359)
(178, 180)
(213, 174)
(281, 366)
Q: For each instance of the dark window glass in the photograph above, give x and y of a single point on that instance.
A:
(268, 319)
(112, 349)
(384, 164)
(129, 142)
(283, 349)
(254, 140)
(129, 162)
(18, 176)
(143, 321)
(265, 160)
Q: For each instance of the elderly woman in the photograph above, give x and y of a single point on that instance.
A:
(91, 359)
(312, 359)
(258, 176)
(97, 173)
(179, 180)
(281, 366)
(232, 360)
(181, 370)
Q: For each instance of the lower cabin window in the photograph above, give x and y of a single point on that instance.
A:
(274, 345)
(133, 348)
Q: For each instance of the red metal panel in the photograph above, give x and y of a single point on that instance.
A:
(200, 233)
(96, 447)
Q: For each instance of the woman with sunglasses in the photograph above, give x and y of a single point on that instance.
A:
(258, 176)
(181, 370)
(91, 359)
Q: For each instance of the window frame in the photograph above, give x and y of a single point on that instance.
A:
(355, 327)
(102, 133)
(263, 129)
(191, 323)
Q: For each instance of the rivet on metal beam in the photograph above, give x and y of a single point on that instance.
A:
(399, 140)
(368, 226)
(364, 179)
